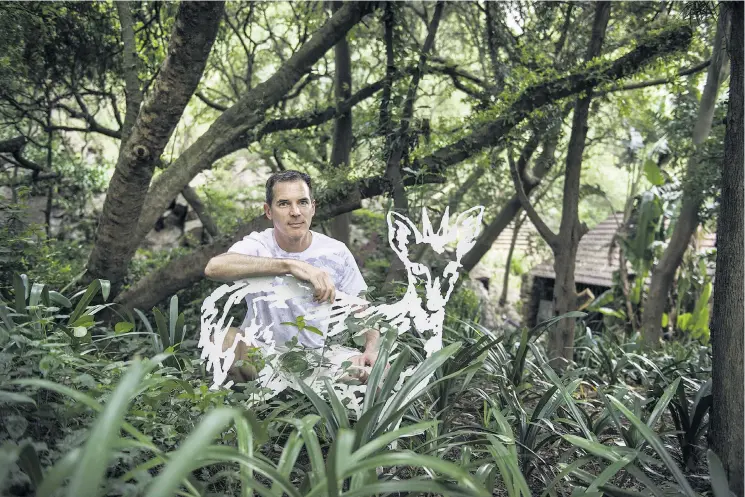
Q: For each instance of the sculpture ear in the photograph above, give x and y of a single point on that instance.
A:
(468, 225)
(400, 233)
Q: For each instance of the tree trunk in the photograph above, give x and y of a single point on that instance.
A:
(664, 273)
(561, 340)
(182, 272)
(402, 139)
(626, 288)
(508, 263)
(727, 319)
(342, 144)
(238, 123)
(193, 34)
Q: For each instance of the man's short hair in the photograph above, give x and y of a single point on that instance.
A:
(285, 176)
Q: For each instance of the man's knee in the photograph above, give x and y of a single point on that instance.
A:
(245, 372)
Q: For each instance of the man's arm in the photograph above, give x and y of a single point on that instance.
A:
(372, 340)
(231, 267)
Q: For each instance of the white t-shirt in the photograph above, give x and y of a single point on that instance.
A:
(324, 253)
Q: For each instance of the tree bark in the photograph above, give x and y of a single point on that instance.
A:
(244, 116)
(729, 295)
(194, 32)
(385, 125)
(664, 273)
(132, 88)
(210, 226)
(561, 340)
(508, 263)
(402, 139)
(341, 148)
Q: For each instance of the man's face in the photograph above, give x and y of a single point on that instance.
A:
(292, 209)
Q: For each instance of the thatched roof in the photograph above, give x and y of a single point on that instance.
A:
(595, 261)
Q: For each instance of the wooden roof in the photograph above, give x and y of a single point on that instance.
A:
(595, 262)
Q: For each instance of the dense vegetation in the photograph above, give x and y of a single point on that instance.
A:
(135, 142)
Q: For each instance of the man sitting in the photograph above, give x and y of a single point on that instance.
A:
(290, 247)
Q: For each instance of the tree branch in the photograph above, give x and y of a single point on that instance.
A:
(132, 89)
(656, 82)
(319, 117)
(93, 125)
(210, 103)
(14, 146)
(551, 238)
(451, 68)
(536, 96)
(210, 226)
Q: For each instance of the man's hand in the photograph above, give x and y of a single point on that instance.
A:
(363, 363)
(323, 287)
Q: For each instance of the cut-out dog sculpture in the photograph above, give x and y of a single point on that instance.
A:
(425, 315)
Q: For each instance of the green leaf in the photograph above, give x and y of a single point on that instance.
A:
(84, 320)
(294, 361)
(608, 453)
(172, 319)
(245, 446)
(123, 327)
(19, 289)
(718, 475)
(684, 322)
(160, 323)
(653, 173)
(15, 398)
(59, 299)
(230, 454)
(340, 412)
(657, 445)
(28, 461)
(34, 298)
(313, 329)
(662, 404)
(607, 311)
(90, 292)
(571, 405)
(105, 288)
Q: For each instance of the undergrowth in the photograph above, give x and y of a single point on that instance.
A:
(90, 408)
